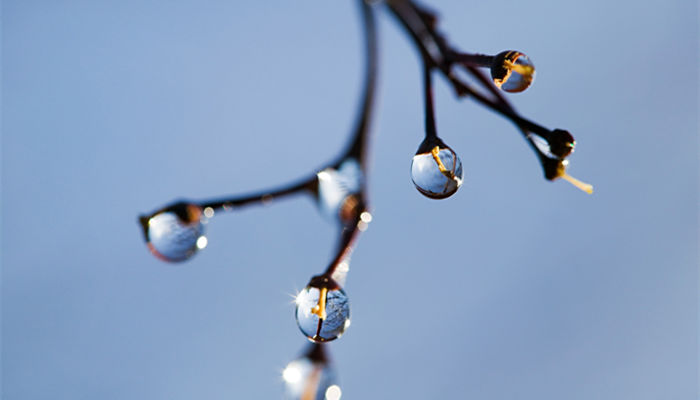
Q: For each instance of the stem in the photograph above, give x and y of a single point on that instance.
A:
(488, 84)
(430, 129)
(436, 52)
(473, 60)
(357, 148)
(510, 113)
(425, 38)
(316, 353)
(348, 235)
(308, 184)
(358, 145)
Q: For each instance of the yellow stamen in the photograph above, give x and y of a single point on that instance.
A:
(586, 187)
(436, 156)
(320, 308)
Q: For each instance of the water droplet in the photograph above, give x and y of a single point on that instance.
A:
(561, 143)
(309, 378)
(541, 144)
(325, 320)
(512, 71)
(338, 191)
(558, 145)
(176, 232)
(438, 173)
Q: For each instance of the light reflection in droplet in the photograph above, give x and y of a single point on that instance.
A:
(208, 212)
(176, 232)
(366, 217)
(292, 373)
(512, 71)
(337, 310)
(333, 392)
(341, 271)
(437, 174)
(308, 380)
(362, 226)
(541, 144)
(336, 187)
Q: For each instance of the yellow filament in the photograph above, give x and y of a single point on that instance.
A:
(436, 156)
(320, 308)
(586, 187)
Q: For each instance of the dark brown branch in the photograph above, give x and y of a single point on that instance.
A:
(305, 185)
(437, 53)
(430, 128)
(358, 144)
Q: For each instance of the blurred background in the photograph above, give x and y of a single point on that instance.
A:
(514, 288)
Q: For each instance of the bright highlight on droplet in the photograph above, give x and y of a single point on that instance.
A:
(362, 226)
(291, 374)
(202, 242)
(208, 212)
(333, 392)
(338, 190)
(341, 272)
(343, 266)
(366, 217)
(299, 298)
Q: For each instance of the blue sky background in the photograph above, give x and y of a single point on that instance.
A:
(514, 288)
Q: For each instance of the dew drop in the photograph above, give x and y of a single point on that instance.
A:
(175, 233)
(437, 174)
(542, 145)
(512, 71)
(309, 377)
(336, 313)
(559, 143)
(338, 191)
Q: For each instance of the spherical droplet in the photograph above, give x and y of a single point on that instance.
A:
(438, 173)
(338, 191)
(176, 232)
(305, 378)
(558, 145)
(542, 145)
(561, 143)
(325, 320)
(512, 71)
